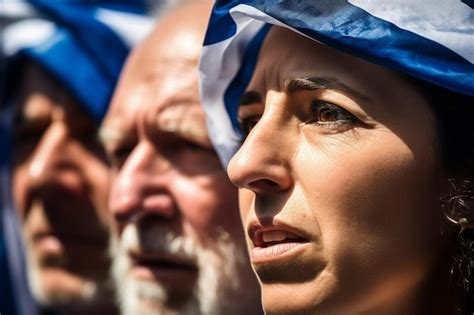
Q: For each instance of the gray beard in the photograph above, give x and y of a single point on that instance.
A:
(88, 297)
(217, 291)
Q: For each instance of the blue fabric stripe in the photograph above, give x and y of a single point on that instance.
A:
(96, 37)
(348, 28)
(469, 3)
(82, 78)
(130, 6)
(92, 39)
(385, 44)
(7, 302)
(242, 79)
(221, 25)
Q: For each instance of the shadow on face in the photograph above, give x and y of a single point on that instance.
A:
(60, 187)
(339, 182)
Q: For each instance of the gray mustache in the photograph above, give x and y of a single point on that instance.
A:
(155, 239)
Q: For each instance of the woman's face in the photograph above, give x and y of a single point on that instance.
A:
(339, 194)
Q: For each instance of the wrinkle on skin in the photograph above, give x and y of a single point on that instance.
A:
(166, 173)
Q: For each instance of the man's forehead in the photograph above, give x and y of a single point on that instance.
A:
(149, 85)
(180, 112)
(186, 121)
(159, 83)
(121, 118)
(170, 44)
(127, 114)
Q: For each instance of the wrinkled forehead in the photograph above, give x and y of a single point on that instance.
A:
(183, 119)
(163, 101)
(287, 55)
(156, 93)
(159, 84)
(162, 70)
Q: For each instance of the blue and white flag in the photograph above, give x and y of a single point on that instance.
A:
(432, 40)
(83, 44)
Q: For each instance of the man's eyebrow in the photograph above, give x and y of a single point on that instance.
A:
(110, 134)
(250, 97)
(321, 83)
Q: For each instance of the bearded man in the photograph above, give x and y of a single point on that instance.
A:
(62, 61)
(177, 243)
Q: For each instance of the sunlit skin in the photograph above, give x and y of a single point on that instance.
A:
(60, 182)
(340, 153)
(165, 173)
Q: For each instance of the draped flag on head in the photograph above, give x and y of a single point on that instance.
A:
(432, 40)
(83, 45)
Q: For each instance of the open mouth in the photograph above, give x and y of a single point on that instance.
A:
(271, 243)
(159, 265)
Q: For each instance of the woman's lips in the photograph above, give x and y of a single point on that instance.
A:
(260, 255)
(274, 242)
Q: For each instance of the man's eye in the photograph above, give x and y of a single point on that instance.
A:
(328, 113)
(247, 124)
(28, 134)
(119, 155)
(191, 145)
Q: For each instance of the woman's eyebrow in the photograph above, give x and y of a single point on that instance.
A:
(306, 84)
(317, 83)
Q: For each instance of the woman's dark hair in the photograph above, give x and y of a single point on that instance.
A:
(454, 113)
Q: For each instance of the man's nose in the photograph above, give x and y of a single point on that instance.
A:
(52, 160)
(263, 162)
(141, 186)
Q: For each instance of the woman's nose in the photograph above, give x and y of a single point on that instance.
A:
(140, 186)
(262, 164)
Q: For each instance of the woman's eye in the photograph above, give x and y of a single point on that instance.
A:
(247, 124)
(327, 113)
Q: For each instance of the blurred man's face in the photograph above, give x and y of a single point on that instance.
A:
(177, 241)
(60, 181)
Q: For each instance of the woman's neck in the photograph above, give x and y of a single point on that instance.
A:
(441, 292)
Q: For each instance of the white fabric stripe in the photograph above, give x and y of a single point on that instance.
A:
(17, 9)
(448, 22)
(131, 28)
(26, 33)
(216, 77)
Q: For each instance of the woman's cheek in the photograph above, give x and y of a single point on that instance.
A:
(372, 186)
(246, 198)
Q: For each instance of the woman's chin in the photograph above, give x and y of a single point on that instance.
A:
(288, 299)
(313, 296)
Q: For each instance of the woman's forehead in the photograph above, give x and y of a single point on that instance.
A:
(290, 62)
(286, 55)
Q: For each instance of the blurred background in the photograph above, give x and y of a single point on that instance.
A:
(59, 63)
